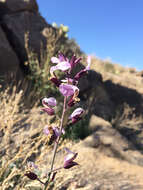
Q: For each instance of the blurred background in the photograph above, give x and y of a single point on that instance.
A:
(107, 29)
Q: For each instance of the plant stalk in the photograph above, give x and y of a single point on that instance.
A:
(56, 143)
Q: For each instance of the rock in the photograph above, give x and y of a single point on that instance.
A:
(140, 74)
(97, 122)
(24, 20)
(92, 90)
(22, 25)
(111, 142)
(92, 141)
(12, 6)
(9, 60)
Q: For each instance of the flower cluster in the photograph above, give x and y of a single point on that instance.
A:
(68, 87)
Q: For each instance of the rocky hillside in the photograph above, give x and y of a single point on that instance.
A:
(109, 140)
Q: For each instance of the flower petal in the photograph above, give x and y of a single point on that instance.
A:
(88, 63)
(55, 60)
(48, 110)
(31, 165)
(56, 81)
(69, 165)
(70, 156)
(46, 130)
(77, 113)
(62, 57)
(63, 66)
(68, 89)
(49, 102)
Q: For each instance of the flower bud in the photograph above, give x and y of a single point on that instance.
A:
(56, 81)
(68, 160)
(31, 175)
(76, 115)
(49, 111)
(49, 102)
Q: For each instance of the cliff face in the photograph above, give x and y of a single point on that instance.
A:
(17, 18)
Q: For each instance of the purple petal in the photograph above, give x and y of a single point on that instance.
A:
(88, 63)
(77, 61)
(62, 57)
(63, 66)
(56, 81)
(31, 165)
(49, 102)
(67, 89)
(71, 102)
(68, 150)
(76, 113)
(75, 119)
(70, 157)
(70, 165)
(52, 69)
(46, 130)
(55, 60)
(72, 61)
(80, 74)
(48, 110)
(56, 131)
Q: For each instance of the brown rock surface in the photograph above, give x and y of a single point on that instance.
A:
(8, 58)
(19, 18)
(12, 6)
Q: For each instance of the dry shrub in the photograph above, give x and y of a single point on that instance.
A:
(13, 151)
(126, 117)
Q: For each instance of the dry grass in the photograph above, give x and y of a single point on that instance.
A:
(17, 127)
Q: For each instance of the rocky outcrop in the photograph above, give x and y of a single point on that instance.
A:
(18, 18)
(8, 58)
(12, 6)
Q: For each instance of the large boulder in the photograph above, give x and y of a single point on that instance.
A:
(8, 58)
(20, 18)
(111, 142)
(11, 6)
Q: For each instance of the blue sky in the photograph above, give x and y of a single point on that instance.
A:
(107, 28)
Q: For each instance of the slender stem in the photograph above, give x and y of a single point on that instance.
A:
(56, 169)
(56, 143)
(40, 181)
(58, 139)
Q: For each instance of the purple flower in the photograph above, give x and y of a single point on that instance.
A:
(53, 132)
(48, 110)
(62, 57)
(31, 168)
(31, 165)
(68, 160)
(56, 81)
(84, 71)
(74, 61)
(62, 64)
(68, 89)
(76, 115)
(49, 102)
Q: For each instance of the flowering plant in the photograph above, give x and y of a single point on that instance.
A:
(68, 88)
